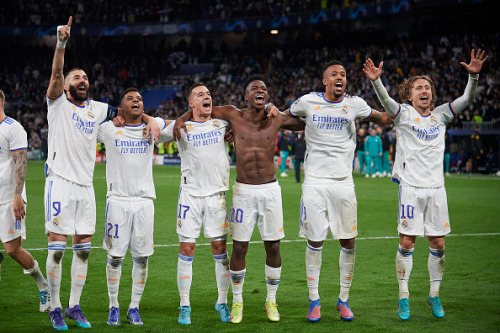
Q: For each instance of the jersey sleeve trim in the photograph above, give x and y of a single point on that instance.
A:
(368, 116)
(452, 111)
(24, 148)
(112, 112)
(53, 98)
(397, 113)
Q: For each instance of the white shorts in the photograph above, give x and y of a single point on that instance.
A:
(208, 211)
(328, 205)
(10, 229)
(69, 207)
(129, 225)
(259, 204)
(423, 211)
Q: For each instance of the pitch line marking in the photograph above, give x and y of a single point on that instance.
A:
(298, 240)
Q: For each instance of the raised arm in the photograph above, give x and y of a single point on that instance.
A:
(56, 84)
(474, 67)
(20, 161)
(373, 73)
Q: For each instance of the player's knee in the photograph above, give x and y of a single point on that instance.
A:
(83, 255)
(143, 261)
(115, 261)
(12, 250)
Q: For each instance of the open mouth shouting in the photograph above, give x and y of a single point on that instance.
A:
(338, 87)
(259, 98)
(207, 105)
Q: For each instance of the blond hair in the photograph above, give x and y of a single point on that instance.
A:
(405, 88)
(2, 97)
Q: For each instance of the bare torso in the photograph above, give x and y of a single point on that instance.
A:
(254, 140)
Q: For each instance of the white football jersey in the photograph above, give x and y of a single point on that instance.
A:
(420, 145)
(330, 133)
(73, 137)
(129, 159)
(12, 137)
(204, 159)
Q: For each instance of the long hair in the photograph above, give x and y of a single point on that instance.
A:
(405, 88)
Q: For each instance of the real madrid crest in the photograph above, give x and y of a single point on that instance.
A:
(433, 120)
(216, 124)
(404, 223)
(91, 115)
(179, 223)
(144, 132)
(344, 109)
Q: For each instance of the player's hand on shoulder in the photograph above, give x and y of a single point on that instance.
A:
(272, 110)
(229, 137)
(179, 126)
(154, 128)
(118, 121)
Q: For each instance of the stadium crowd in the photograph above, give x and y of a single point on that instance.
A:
(130, 62)
(37, 12)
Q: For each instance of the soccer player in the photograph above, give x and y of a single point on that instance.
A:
(418, 168)
(202, 201)
(129, 207)
(328, 198)
(13, 146)
(256, 193)
(69, 194)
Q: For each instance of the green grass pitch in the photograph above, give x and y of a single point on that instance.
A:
(470, 291)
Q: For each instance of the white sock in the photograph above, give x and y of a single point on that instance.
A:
(79, 267)
(347, 258)
(38, 276)
(139, 278)
(273, 275)
(54, 272)
(184, 277)
(435, 264)
(313, 269)
(222, 276)
(404, 264)
(237, 280)
(113, 274)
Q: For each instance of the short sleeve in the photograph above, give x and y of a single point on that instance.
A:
(18, 139)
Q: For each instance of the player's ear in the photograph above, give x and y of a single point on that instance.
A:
(324, 82)
(246, 97)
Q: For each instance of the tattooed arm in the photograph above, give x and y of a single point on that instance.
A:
(20, 160)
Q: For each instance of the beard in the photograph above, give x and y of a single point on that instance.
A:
(78, 97)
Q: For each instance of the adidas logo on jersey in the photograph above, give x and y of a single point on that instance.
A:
(190, 127)
(417, 120)
(317, 107)
(119, 133)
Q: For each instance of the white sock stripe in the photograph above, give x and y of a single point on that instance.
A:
(186, 258)
(81, 246)
(348, 251)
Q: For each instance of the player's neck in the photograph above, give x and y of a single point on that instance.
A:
(423, 111)
(2, 115)
(331, 97)
(132, 120)
(255, 114)
(201, 117)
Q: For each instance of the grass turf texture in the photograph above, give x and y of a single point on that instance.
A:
(470, 291)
